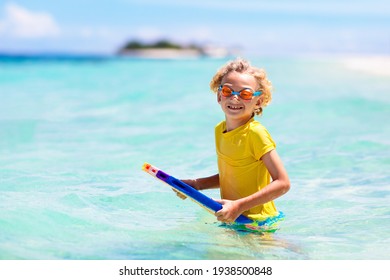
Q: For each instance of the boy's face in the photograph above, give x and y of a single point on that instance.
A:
(234, 107)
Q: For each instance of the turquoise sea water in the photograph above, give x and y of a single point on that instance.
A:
(74, 133)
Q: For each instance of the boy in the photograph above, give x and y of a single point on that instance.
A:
(247, 157)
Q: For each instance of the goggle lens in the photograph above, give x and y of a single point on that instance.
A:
(246, 94)
(226, 91)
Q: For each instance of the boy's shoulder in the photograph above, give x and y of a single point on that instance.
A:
(255, 125)
(257, 129)
(221, 126)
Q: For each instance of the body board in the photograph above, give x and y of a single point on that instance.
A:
(188, 191)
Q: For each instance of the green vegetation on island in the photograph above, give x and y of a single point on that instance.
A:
(162, 44)
(167, 49)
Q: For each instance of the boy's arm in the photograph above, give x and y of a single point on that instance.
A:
(211, 182)
(280, 185)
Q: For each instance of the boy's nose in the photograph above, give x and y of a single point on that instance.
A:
(235, 96)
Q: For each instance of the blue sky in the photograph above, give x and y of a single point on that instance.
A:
(259, 27)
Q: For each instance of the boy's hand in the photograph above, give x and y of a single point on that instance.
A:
(229, 212)
(190, 182)
(179, 194)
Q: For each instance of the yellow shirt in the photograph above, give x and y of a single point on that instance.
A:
(241, 172)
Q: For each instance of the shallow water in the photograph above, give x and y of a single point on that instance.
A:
(74, 133)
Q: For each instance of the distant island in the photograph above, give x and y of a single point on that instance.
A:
(167, 49)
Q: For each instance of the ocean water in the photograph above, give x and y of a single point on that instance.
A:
(74, 133)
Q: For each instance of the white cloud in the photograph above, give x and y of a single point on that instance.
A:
(22, 23)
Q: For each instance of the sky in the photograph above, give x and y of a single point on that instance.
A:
(251, 26)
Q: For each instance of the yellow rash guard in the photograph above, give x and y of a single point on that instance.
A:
(241, 172)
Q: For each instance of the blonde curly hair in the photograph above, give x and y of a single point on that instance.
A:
(241, 65)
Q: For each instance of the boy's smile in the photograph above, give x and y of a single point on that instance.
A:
(235, 107)
(237, 110)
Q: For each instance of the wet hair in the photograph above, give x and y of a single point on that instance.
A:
(243, 66)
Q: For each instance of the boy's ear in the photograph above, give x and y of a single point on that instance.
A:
(218, 97)
(259, 101)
